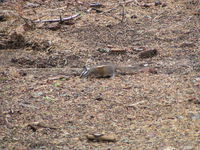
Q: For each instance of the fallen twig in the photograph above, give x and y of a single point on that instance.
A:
(123, 12)
(27, 105)
(128, 1)
(97, 5)
(137, 103)
(59, 20)
(37, 125)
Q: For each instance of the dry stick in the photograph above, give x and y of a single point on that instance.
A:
(113, 16)
(123, 11)
(27, 105)
(137, 103)
(129, 1)
(120, 4)
(96, 5)
(59, 20)
(108, 11)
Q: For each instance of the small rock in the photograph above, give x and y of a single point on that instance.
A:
(133, 17)
(197, 13)
(91, 117)
(157, 3)
(188, 147)
(147, 16)
(169, 148)
(97, 10)
(126, 141)
(75, 139)
(30, 77)
(195, 116)
(179, 117)
(22, 73)
(164, 5)
(2, 18)
(131, 117)
(194, 100)
(188, 44)
(196, 67)
(33, 5)
(39, 94)
(99, 98)
(148, 53)
(138, 49)
(96, 5)
(197, 78)
(103, 50)
(146, 5)
(189, 91)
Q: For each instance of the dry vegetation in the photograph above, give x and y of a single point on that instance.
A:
(45, 105)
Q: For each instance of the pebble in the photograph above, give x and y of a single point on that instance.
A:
(133, 17)
(195, 116)
(98, 98)
(157, 3)
(170, 148)
(39, 94)
(188, 147)
(2, 18)
(194, 100)
(197, 78)
(33, 5)
(164, 5)
(179, 117)
(187, 44)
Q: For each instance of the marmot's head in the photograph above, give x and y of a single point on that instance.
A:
(85, 72)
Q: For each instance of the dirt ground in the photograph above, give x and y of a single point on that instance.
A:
(44, 104)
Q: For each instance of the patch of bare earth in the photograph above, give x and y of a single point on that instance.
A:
(44, 104)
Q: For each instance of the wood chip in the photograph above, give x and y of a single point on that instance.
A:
(101, 137)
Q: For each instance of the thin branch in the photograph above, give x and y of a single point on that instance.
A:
(127, 2)
(59, 20)
(107, 12)
(97, 5)
(27, 105)
(123, 11)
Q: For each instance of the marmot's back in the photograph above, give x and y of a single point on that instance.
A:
(109, 70)
(100, 71)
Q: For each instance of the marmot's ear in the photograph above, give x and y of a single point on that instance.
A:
(84, 67)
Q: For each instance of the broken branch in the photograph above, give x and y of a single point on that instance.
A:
(58, 20)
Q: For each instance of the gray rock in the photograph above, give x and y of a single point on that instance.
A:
(169, 148)
(157, 3)
(33, 5)
(195, 116)
(188, 147)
